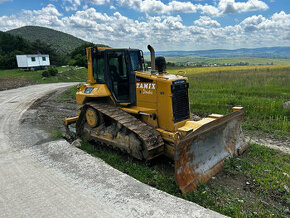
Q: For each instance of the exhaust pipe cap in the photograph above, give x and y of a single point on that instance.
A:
(152, 54)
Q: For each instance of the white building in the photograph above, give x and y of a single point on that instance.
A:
(32, 61)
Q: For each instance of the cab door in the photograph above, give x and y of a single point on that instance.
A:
(118, 73)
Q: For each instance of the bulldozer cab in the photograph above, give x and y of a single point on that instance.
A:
(116, 68)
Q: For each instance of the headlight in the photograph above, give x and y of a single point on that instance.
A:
(88, 90)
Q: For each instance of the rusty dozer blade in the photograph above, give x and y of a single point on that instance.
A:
(201, 153)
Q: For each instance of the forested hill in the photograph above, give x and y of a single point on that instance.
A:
(10, 46)
(62, 43)
(14, 44)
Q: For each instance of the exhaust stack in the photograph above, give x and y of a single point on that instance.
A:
(152, 54)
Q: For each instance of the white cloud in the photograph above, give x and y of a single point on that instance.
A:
(1, 1)
(73, 5)
(74, 2)
(281, 17)
(47, 16)
(147, 6)
(49, 10)
(267, 32)
(209, 10)
(184, 7)
(165, 32)
(205, 21)
(279, 21)
(219, 7)
(98, 2)
(157, 6)
(223, 7)
(252, 23)
(231, 6)
(10, 22)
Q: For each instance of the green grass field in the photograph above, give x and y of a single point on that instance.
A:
(261, 90)
(235, 60)
(66, 74)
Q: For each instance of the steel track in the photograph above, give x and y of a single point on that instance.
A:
(152, 142)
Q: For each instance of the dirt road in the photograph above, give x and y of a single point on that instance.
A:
(39, 178)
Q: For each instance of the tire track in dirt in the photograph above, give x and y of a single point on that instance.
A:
(278, 144)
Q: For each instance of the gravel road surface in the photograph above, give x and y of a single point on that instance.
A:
(39, 178)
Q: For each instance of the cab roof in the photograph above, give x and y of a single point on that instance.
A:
(117, 49)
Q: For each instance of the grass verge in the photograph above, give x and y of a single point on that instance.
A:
(68, 96)
(55, 133)
(255, 184)
(66, 74)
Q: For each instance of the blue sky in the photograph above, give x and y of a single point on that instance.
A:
(166, 24)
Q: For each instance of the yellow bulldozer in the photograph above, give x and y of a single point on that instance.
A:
(147, 114)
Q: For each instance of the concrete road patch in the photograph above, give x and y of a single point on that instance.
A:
(55, 179)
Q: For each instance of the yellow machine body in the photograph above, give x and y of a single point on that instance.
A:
(216, 136)
(154, 100)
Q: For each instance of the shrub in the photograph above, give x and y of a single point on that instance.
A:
(45, 74)
(52, 71)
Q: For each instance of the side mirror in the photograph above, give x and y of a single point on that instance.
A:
(142, 57)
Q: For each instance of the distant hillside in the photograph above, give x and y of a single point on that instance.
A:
(62, 43)
(267, 52)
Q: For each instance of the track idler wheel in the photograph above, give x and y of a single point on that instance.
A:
(93, 117)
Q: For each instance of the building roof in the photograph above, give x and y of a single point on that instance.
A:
(34, 55)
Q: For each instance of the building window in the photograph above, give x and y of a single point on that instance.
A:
(32, 58)
(44, 58)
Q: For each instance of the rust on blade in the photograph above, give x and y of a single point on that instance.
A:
(200, 154)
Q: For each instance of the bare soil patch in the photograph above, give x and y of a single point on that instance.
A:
(47, 113)
(12, 83)
(282, 144)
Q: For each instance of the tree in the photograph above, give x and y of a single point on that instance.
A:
(78, 55)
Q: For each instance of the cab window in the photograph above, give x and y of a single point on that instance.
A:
(117, 65)
(99, 68)
(135, 58)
